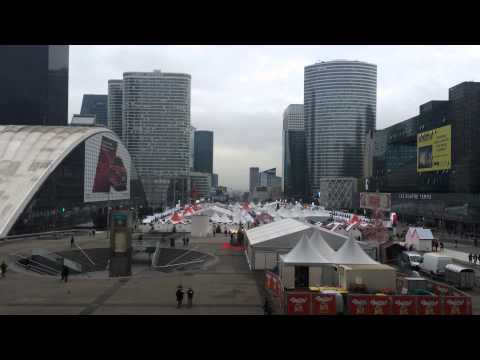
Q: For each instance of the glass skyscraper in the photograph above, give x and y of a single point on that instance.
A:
(294, 151)
(34, 85)
(95, 105)
(340, 108)
(114, 106)
(203, 153)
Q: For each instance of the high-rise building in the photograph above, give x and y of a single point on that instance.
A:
(203, 153)
(156, 131)
(293, 154)
(95, 105)
(192, 146)
(201, 184)
(34, 85)
(254, 179)
(215, 181)
(340, 108)
(114, 108)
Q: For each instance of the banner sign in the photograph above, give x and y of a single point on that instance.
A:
(457, 305)
(434, 149)
(298, 303)
(324, 304)
(379, 305)
(404, 305)
(358, 304)
(428, 305)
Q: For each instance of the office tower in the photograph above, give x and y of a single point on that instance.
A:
(294, 166)
(114, 108)
(203, 154)
(34, 85)
(340, 108)
(254, 179)
(215, 180)
(201, 184)
(192, 146)
(95, 105)
(156, 131)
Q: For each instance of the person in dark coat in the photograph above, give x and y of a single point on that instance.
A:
(179, 295)
(72, 241)
(456, 243)
(187, 240)
(172, 242)
(3, 268)
(470, 257)
(65, 272)
(475, 258)
(441, 246)
(190, 297)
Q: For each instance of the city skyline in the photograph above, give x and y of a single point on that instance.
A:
(240, 92)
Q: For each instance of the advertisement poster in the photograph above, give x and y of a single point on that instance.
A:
(373, 201)
(379, 305)
(324, 304)
(404, 305)
(107, 169)
(428, 305)
(434, 149)
(358, 304)
(298, 303)
(456, 305)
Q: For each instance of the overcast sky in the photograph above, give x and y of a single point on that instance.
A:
(240, 92)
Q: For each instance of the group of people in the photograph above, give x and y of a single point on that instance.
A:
(3, 268)
(180, 295)
(435, 244)
(185, 240)
(473, 258)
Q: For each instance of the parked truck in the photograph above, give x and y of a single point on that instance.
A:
(434, 263)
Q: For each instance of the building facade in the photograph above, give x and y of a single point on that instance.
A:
(203, 153)
(340, 108)
(192, 147)
(96, 105)
(114, 106)
(254, 179)
(215, 181)
(156, 131)
(201, 184)
(294, 152)
(431, 164)
(34, 85)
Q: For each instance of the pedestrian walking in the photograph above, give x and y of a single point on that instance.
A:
(456, 243)
(184, 241)
(441, 246)
(470, 257)
(225, 232)
(231, 238)
(213, 230)
(93, 232)
(3, 268)
(65, 272)
(475, 258)
(72, 241)
(190, 297)
(172, 242)
(188, 240)
(179, 295)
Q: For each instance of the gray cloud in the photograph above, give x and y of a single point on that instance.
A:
(240, 92)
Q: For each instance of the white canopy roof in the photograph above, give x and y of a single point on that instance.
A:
(304, 253)
(278, 234)
(320, 245)
(352, 254)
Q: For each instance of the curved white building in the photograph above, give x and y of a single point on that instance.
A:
(53, 176)
(340, 108)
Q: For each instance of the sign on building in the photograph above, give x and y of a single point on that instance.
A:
(434, 149)
(381, 201)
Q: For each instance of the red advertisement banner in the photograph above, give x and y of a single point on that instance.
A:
(428, 305)
(298, 303)
(358, 304)
(441, 290)
(324, 304)
(379, 305)
(404, 305)
(457, 305)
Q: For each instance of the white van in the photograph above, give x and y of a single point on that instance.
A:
(434, 263)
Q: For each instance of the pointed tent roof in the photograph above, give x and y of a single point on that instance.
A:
(215, 218)
(319, 244)
(176, 218)
(352, 254)
(304, 253)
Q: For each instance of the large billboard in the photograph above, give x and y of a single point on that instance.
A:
(373, 201)
(434, 149)
(107, 169)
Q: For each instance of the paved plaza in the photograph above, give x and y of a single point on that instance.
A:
(225, 286)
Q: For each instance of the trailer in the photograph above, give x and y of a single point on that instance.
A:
(460, 276)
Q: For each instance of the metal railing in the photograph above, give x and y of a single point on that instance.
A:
(85, 254)
(39, 266)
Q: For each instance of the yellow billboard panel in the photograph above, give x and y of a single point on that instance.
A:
(434, 149)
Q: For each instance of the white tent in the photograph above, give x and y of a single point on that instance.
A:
(225, 219)
(215, 218)
(304, 254)
(320, 245)
(352, 254)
